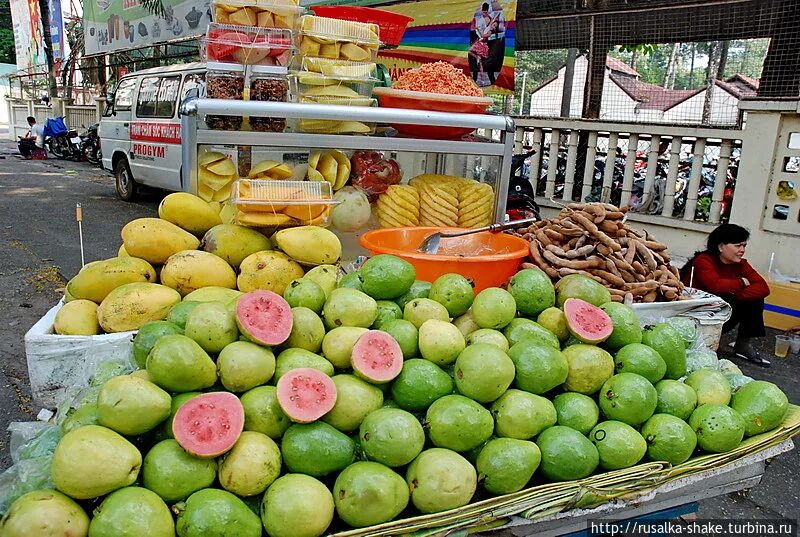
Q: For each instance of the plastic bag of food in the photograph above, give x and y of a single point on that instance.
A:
(32, 440)
(25, 476)
(701, 359)
(373, 173)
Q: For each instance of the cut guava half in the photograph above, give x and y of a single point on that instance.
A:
(377, 357)
(306, 394)
(587, 322)
(264, 317)
(208, 425)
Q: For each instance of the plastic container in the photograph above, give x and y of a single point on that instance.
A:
(321, 89)
(268, 84)
(335, 68)
(269, 203)
(263, 14)
(392, 25)
(438, 102)
(224, 81)
(338, 39)
(488, 259)
(247, 45)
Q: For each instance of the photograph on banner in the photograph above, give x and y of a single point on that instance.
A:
(26, 19)
(476, 36)
(115, 25)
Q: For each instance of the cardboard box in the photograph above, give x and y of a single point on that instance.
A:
(782, 306)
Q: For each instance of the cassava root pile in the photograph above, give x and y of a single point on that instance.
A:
(593, 239)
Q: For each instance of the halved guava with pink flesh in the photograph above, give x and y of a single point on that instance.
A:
(306, 394)
(586, 322)
(209, 425)
(264, 317)
(377, 357)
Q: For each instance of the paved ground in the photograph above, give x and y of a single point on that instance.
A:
(39, 245)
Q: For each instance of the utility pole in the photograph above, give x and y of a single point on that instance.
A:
(522, 93)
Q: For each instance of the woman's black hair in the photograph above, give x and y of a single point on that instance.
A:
(723, 234)
(485, 6)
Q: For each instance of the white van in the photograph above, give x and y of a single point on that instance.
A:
(140, 133)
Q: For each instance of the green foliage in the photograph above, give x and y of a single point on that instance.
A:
(8, 53)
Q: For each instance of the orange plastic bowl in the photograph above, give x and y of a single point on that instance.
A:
(488, 259)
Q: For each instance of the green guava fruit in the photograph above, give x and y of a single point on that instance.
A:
(668, 438)
(243, 365)
(522, 415)
(762, 405)
(618, 444)
(132, 512)
(307, 330)
(391, 436)
(629, 398)
(440, 480)
(251, 465)
(494, 308)
(293, 358)
(577, 411)
(44, 513)
(419, 384)
(316, 449)
(554, 320)
(589, 368)
(262, 413)
(419, 289)
(490, 336)
(368, 493)
(458, 423)
(212, 326)
(583, 287)
(92, 461)
(419, 310)
(337, 345)
(627, 329)
(567, 455)
(533, 291)
(305, 293)
(667, 342)
(178, 364)
(675, 398)
(217, 512)
(386, 276)
(440, 342)
(297, 505)
(349, 307)
(406, 335)
(538, 368)
(355, 399)
(150, 332)
(175, 475)
(710, 387)
(642, 360)
(483, 372)
(454, 292)
(131, 406)
(505, 465)
(387, 311)
(519, 330)
(719, 428)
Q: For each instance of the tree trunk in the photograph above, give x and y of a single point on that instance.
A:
(595, 70)
(52, 84)
(714, 62)
(723, 59)
(569, 77)
(691, 68)
(669, 81)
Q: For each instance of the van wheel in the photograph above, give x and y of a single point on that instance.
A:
(127, 188)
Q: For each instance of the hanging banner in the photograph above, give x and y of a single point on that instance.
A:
(57, 34)
(26, 20)
(115, 25)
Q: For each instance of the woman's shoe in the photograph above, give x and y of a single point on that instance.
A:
(745, 351)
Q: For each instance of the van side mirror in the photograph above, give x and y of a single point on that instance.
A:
(192, 93)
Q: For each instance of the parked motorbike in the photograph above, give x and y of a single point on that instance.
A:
(90, 145)
(521, 201)
(61, 141)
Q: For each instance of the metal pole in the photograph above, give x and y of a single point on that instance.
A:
(79, 218)
(522, 93)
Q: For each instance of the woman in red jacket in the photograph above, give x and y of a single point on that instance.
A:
(721, 270)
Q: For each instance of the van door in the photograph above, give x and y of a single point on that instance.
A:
(156, 133)
(115, 139)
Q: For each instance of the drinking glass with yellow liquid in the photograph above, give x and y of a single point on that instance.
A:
(782, 344)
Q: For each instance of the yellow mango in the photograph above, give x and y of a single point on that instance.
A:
(97, 279)
(77, 318)
(310, 244)
(190, 270)
(154, 240)
(233, 243)
(268, 270)
(121, 252)
(132, 305)
(188, 212)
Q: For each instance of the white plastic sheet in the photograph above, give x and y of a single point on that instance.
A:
(57, 364)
